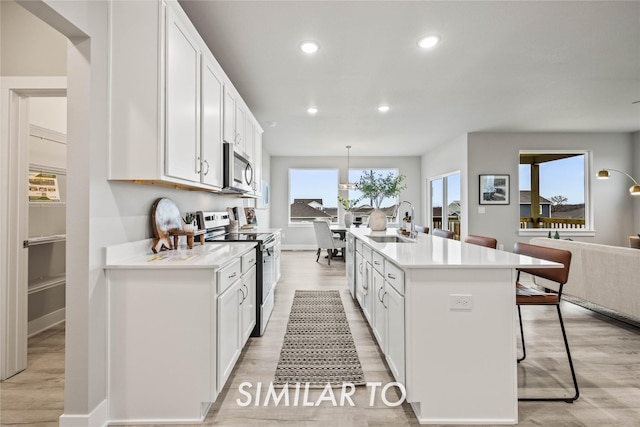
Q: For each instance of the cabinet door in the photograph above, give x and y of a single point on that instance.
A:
(182, 150)
(395, 336)
(379, 324)
(368, 292)
(212, 92)
(228, 331)
(359, 278)
(229, 114)
(248, 306)
(257, 159)
(241, 118)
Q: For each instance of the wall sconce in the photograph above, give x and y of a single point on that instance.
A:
(634, 190)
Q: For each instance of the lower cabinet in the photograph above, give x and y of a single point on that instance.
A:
(236, 312)
(379, 288)
(228, 331)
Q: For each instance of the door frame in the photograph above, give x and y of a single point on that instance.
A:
(14, 225)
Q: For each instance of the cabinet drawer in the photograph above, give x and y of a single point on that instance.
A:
(378, 262)
(394, 276)
(228, 275)
(248, 260)
(367, 253)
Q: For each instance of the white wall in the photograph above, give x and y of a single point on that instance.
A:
(499, 153)
(29, 46)
(49, 113)
(442, 160)
(302, 236)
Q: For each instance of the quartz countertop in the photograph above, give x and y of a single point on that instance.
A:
(428, 251)
(138, 255)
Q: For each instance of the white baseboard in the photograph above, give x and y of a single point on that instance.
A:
(45, 322)
(99, 417)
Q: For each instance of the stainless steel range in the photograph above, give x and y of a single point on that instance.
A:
(215, 224)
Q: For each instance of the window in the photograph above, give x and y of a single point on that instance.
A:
(365, 206)
(554, 190)
(445, 191)
(313, 194)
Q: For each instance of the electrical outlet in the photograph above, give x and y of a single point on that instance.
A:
(460, 302)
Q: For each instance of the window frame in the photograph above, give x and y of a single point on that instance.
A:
(289, 197)
(445, 194)
(588, 229)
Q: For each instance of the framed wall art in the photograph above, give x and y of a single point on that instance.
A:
(494, 189)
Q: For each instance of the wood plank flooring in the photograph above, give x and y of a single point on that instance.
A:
(606, 355)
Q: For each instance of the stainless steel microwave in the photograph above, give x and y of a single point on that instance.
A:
(238, 171)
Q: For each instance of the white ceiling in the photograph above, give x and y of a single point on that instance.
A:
(501, 66)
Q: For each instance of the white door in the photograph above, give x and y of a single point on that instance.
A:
(182, 150)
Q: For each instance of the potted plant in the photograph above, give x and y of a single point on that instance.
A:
(376, 187)
(347, 205)
(189, 225)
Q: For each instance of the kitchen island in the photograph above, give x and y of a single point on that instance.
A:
(443, 313)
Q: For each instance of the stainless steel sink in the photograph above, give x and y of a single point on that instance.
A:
(390, 239)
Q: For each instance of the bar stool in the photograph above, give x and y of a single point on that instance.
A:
(488, 242)
(530, 296)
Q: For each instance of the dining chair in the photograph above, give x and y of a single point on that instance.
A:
(530, 296)
(488, 242)
(442, 233)
(326, 240)
(422, 229)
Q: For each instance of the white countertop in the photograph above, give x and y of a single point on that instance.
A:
(429, 251)
(138, 255)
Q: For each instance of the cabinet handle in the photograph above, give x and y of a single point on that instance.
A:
(241, 293)
(360, 267)
(233, 275)
(376, 262)
(391, 276)
(245, 286)
(382, 300)
(198, 165)
(206, 163)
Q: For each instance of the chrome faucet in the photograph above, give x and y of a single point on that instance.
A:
(412, 234)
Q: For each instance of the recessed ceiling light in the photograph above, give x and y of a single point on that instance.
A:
(428, 41)
(312, 110)
(383, 108)
(309, 47)
(271, 124)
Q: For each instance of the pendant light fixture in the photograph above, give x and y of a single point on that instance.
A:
(634, 190)
(348, 185)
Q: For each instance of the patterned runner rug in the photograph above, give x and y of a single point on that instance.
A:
(318, 347)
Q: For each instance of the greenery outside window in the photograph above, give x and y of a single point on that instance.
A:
(365, 206)
(313, 194)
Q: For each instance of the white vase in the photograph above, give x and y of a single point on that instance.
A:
(378, 220)
(189, 228)
(348, 219)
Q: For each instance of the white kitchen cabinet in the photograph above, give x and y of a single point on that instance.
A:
(379, 318)
(241, 128)
(211, 151)
(257, 158)
(229, 113)
(248, 305)
(395, 353)
(228, 331)
(166, 93)
(236, 126)
(182, 100)
(350, 265)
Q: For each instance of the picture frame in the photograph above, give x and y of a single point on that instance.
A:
(494, 189)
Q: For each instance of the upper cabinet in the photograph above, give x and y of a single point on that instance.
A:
(172, 104)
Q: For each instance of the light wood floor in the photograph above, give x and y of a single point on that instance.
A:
(606, 356)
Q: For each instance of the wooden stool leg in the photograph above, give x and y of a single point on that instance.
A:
(190, 241)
